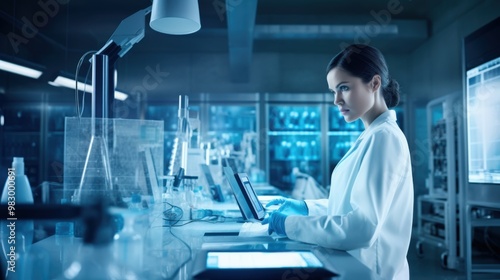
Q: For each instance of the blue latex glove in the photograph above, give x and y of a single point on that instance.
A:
(290, 206)
(276, 223)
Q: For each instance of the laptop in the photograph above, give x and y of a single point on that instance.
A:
(215, 190)
(246, 198)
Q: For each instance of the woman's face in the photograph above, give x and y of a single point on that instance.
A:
(353, 97)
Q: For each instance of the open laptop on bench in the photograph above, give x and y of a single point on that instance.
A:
(246, 198)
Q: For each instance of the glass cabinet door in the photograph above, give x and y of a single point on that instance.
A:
(233, 129)
(341, 136)
(294, 142)
(21, 138)
(229, 123)
(54, 142)
(169, 115)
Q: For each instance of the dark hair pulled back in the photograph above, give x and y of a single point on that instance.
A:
(365, 61)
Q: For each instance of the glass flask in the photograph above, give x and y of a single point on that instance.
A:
(95, 184)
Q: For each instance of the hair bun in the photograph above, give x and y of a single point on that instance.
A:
(391, 93)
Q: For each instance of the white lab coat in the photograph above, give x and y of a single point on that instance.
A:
(369, 211)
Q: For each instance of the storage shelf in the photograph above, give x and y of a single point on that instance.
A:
(485, 223)
(24, 133)
(433, 218)
(440, 242)
(279, 133)
(433, 199)
(292, 159)
(344, 133)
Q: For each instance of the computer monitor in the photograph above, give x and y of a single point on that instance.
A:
(482, 100)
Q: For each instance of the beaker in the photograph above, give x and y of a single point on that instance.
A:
(190, 183)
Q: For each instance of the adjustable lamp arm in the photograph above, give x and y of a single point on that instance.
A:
(129, 32)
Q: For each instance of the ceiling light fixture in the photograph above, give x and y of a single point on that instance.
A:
(61, 81)
(19, 69)
(175, 17)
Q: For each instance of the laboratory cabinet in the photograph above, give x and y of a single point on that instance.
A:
(294, 142)
(482, 227)
(21, 137)
(276, 133)
(341, 136)
(35, 131)
(439, 216)
(169, 115)
(56, 114)
(272, 134)
(225, 126)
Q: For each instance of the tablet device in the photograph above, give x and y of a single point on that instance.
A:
(245, 210)
(259, 265)
(251, 198)
(250, 206)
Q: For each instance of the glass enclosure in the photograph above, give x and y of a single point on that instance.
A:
(228, 124)
(169, 115)
(294, 142)
(341, 136)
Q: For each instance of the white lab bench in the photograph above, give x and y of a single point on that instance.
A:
(164, 254)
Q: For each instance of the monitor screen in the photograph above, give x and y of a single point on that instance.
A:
(250, 196)
(483, 122)
(253, 196)
(226, 260)
(252, 264)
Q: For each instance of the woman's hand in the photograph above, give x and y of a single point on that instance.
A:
(276, 221)
(290, 206)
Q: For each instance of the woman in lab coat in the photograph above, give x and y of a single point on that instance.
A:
(369, 211)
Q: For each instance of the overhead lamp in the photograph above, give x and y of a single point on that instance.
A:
(61, 81)
(176, 17)
(19, 69)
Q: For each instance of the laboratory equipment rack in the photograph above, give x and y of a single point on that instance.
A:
(485, 216)
(438, 212)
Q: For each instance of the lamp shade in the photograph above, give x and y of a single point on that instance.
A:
(176, 17)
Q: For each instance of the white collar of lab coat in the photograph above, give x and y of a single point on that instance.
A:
(387, 116)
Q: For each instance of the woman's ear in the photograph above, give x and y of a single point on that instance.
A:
(376, 83)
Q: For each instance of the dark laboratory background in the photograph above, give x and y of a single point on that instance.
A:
(255, 75)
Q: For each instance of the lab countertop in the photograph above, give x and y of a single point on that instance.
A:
(165, 256)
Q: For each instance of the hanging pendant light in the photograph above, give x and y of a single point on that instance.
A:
(176, 17)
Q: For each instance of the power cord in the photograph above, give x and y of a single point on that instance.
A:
(173, 215)
(80, 62)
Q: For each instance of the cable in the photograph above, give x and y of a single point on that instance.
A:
(84, 92)
(174, 215)
(174, 274)
(76, 80)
